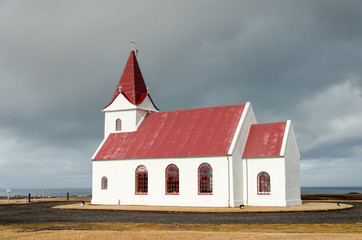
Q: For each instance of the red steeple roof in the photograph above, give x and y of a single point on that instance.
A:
(131, 84)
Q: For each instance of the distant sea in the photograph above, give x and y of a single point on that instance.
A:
(61, 192)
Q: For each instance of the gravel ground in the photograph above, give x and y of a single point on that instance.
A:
(42, 212)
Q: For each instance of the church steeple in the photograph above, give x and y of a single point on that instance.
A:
(131, 84)
(130, 102)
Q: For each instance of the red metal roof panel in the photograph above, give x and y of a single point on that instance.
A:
(184, 133)
(264, 140)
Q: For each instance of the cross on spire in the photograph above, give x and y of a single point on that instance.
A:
(132, 44)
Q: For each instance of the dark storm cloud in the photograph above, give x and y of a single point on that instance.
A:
(60, 63)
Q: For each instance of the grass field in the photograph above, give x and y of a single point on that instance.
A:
(73, 230)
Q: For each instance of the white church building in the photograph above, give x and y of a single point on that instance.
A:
(214, 157)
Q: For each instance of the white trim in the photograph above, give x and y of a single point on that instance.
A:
(245, 181)
(159, 158)
(120, 110)
(285, 139)
(291, 131)
(229, 179)
(134, 108)
(99, 148)
(238, 129)
(121, 103)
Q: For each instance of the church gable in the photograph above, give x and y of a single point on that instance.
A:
(185, 133)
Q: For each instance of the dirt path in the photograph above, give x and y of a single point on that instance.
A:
(306, 206)
(43, 212)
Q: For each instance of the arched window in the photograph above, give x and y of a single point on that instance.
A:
(118, 125)
(263, 183)
(205, 179)
(141, 180)
(104, 183)
(172, 179)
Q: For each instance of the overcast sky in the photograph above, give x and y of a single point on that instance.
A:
(60, 62)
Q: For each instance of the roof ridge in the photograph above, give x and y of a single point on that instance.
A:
(190, 109)
(269, 123)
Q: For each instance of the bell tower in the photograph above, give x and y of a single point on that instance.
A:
(131, 101)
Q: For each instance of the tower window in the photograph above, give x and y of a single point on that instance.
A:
(263, 183)
(172, 179)
(141, 180)
(118, 125)
(205, 179)
(104, 183)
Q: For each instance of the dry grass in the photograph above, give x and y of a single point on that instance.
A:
(306, 206)
(72, 235)
(177, 231)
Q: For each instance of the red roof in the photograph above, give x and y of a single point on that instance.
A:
(184, 133)
(131, 84)
(264, 140)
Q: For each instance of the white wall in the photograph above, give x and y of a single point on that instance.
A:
(121, 182)
(275, 167)
(238, 184)
(292, 170)
(130, 115)
(130, 120)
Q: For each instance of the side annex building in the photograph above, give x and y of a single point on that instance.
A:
(215, 157)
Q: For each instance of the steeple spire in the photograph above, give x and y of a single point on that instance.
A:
(131, 84)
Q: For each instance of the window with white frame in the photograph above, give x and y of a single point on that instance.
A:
(263, 183)
(172, 179)
(205, 179)
(118, 125)
(104, 183)
(141, 180)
